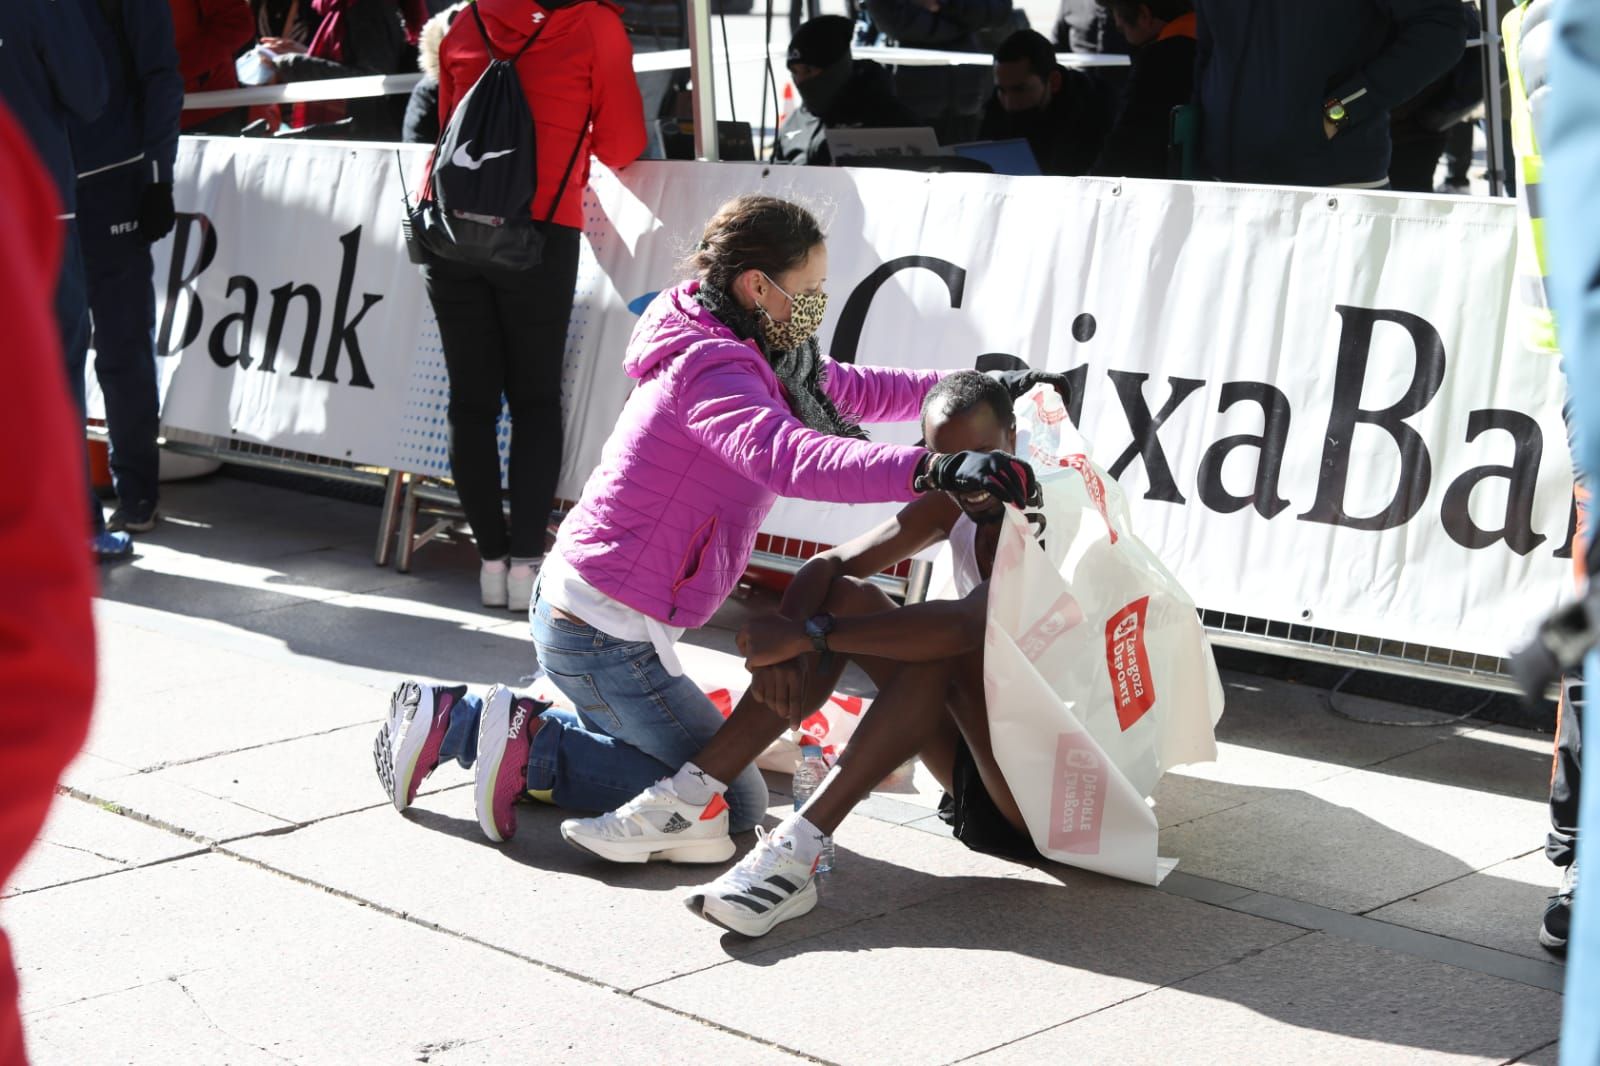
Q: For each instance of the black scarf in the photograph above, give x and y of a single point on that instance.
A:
(798, 369)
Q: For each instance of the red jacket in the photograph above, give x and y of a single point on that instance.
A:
(582, 64)
(210, 33)
(46, 629)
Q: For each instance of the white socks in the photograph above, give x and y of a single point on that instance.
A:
(696, 787)
(806, 838)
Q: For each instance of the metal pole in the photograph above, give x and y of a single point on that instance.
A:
(1491, 96)
(700, 70)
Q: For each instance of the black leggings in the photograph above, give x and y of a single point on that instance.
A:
(505, 333)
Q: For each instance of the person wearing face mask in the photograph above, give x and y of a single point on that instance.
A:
(926, 660)
(836, 90)
(735, 405)
(1063, 114)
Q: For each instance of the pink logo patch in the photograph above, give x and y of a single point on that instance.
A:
(1062, 616)
(1078, 798)
(1132, 688)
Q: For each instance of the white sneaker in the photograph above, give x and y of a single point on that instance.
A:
(768, 886)
(519, 582)
(492, 582)
(655, 824)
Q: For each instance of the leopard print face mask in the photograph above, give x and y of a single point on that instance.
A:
(806, 310)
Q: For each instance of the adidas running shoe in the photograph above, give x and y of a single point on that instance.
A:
(656, 824)
(766, 887)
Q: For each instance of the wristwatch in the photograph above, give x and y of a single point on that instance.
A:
(1335, 113)
(818, 626)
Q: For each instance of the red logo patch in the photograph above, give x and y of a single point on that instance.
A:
(1096, 487)
(816, 726)
(1132, 687)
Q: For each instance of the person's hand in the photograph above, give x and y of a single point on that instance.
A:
(1329, 128)
(1019, 382)
(1002, 475)
(770, 640)
(782, 687)
(156, 213)
(282, 46)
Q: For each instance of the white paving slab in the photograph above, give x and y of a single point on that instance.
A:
(1313, 1000)
(1499, 907)
(1358, 840)
(301, 780)
(957, 975)
(213, 960)
(81, 839)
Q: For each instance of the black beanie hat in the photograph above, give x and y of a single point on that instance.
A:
(823, 41)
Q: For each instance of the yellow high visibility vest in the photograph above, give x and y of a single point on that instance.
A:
(1538, 323)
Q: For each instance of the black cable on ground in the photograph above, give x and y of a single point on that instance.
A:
(1333, 706)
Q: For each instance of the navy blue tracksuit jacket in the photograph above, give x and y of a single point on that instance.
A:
(1265, 68)
(49, 75)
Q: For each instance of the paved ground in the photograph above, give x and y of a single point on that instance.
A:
(221, 881)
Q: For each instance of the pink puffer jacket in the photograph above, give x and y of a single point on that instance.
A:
(704, 446)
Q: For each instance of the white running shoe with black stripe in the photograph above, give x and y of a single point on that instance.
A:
(656, 824)
(766, 887)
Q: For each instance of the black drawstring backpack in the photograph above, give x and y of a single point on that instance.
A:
(476, 207)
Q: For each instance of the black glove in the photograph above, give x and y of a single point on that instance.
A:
(1018, 382)
(156, 213)
(1004, 475)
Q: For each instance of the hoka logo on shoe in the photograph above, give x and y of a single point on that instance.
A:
(676, 824)
(517, 722)
(411, 699)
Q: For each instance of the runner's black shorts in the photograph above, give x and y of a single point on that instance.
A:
(971, 813)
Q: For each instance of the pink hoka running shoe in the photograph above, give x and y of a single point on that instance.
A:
(505, 736)
(407, 747)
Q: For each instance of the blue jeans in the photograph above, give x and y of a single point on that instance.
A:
(578, 768)
(652, 722)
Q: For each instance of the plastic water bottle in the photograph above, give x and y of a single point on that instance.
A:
(1044, 441)
(807, 779)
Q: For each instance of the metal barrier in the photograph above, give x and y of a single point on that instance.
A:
(408, 496)
(1358, 652)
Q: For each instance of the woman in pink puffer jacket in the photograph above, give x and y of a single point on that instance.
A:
(735, 406)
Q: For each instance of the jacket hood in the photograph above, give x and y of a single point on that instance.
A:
(433, 36)
(509, 22)
(673, 321)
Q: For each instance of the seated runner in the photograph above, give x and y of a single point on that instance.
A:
(926, 660)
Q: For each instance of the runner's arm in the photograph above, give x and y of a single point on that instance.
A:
(920, 524)
(919, 633)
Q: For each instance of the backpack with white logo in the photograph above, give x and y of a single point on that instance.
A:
(476, 207)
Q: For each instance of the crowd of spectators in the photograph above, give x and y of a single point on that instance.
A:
(1322, 92)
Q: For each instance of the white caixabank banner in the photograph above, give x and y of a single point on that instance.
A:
(1307, 395)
